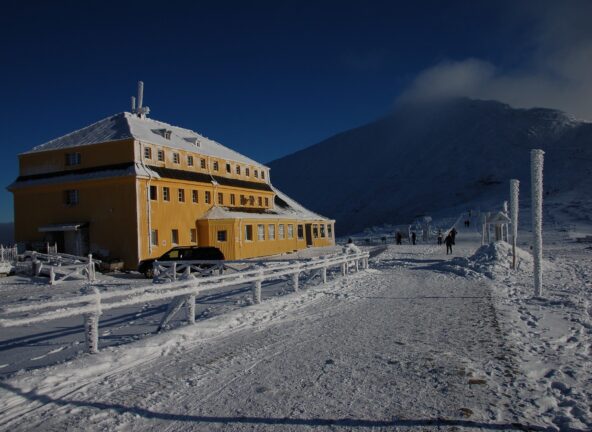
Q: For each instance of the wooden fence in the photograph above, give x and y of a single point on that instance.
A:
(91, 303)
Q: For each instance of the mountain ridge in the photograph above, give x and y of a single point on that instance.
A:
(426, 158)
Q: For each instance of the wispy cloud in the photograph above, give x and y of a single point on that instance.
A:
(557, 72)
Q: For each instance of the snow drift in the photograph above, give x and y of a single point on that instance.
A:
(492, 260)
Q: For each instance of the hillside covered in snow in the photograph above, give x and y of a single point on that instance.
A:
(437, 158)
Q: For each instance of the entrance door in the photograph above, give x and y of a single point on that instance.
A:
(76, 242)
(308, 234)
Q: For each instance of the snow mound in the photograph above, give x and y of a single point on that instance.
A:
(491, 260)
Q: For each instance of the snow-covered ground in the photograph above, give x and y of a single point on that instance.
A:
(419, 341)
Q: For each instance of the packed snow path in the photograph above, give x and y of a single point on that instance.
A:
(396, 347)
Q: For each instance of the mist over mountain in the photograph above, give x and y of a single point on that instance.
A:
(426, 158)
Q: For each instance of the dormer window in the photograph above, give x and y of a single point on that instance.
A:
(192, 140)
(165, 133)
(247, 172)
(263, 175)
(238, 170)
(72, 159)
(228, 168)
(256, 174)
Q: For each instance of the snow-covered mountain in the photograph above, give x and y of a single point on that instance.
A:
(429, 159)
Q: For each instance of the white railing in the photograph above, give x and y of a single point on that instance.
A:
(169, 271)
(62, 267)
(91, 304)
(8, 254)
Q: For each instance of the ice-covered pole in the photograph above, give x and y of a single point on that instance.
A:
(536, 178)
(514, 193)
(483, 226)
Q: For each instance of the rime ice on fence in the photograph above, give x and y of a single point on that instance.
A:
(536, 177)
(514, 193)
(91, 304)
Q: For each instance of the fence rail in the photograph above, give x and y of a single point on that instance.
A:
(92, 303)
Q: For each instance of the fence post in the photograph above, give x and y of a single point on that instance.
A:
(91, 322)
(91, 268)
(257, 291)
(324, 274)
(190, 302)
(295, 280)
(536, 180)
(357, 262)
(514, 194)
(343, 269)
(174, 269)
(51, 275)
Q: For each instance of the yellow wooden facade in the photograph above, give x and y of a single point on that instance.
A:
(135, 199)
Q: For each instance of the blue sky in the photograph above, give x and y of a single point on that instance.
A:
(265, 77)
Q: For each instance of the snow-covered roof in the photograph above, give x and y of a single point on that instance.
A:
(134, 169)
(498, 218)
(285, 208)
(126, 125)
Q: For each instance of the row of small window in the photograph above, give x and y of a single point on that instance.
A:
(244, 199)
(203, 164)
(284, 231)
(174, 236)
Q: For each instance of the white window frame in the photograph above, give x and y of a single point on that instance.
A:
(260, 232)
(281, 232)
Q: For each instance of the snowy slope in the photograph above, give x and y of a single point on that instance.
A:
(424, 159)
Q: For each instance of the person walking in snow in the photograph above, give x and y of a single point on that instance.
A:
(439, 237)
(449, 242)
(413, 237)
(453, 233)
(399, 237)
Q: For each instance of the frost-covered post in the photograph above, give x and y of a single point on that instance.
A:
(514, 194)
(324, 274)
(536, 179)
(190, 311)
(257, 289)
(343, 269)
(51, 275)
(174, 270)
(91, 321)
(483, 226)
(91, 268)
(295, 280)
